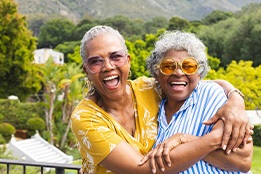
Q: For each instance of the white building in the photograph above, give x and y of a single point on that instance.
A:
(42, 55)
(254, 116)
(37, 149)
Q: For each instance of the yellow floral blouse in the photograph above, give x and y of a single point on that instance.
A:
(98, 133)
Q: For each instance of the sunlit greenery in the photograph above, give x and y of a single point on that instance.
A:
(256, 163)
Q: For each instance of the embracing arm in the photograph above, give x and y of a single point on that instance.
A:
(236, 161)
(234, 116)
(182, 156)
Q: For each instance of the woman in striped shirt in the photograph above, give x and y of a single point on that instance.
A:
(179, 63)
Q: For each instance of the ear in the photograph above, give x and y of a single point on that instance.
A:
(129, 58)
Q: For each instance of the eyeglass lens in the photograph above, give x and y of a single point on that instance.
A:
(188, 66)
(116, 58)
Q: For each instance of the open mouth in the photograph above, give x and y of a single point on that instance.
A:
(111, 81)
(178, 84)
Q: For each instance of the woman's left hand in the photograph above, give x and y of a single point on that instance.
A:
(236, 130)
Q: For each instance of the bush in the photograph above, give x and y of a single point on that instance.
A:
(33, 124)
(17, 113)
(257, 135)
(6, 129)
(2, 139)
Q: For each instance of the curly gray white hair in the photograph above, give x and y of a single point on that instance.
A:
(96, 31)
(179, 41)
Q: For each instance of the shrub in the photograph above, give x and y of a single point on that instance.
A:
(257, 135)
(17, 113)
(2, 139)
(6, 129)
(33, 124)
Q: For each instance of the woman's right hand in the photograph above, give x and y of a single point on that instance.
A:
(160, 154)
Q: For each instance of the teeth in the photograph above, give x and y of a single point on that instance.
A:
(178, 83)
(110, 78)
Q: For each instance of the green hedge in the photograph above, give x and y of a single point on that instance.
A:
(257, 135)
(17, 113)
(6, 130)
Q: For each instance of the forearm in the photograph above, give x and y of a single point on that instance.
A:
(187, 154)
(227, 88)
(236, 161)
(225, 85)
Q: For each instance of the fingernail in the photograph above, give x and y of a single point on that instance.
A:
(169, 164)
(228, 152)
(153, 170)
(162, 169)
(234, 149)
(224, 147)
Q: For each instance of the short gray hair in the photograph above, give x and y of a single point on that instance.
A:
(96, 31)
(179, 41)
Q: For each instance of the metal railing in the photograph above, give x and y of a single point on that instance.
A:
(59, 168)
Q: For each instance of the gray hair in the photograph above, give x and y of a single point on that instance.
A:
(97, 31)
(179, 41)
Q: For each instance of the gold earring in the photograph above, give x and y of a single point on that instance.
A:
(88, 88)
(130, 73)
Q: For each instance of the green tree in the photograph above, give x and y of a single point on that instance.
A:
(128, 28)
(215, 37)
(244, 77)
(75, 56)
(51, 75)
(71, 88)
(67, 48)
(139, 51)
(177, 23)
(216, 16)
(155, 24)
(244, 43)
(35, 22)
(54, 32)
(17, 75)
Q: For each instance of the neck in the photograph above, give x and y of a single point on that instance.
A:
(121, 109)
(171, 107)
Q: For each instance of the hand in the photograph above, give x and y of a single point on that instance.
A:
(236, 122)
(217, 132)
(249, 133)
(162, 151)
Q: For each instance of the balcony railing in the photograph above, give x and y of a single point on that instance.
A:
(59, 168)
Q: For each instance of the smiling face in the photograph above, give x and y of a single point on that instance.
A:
(111, 81)
(177, 86)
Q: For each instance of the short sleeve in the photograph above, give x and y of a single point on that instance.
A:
(95, 134)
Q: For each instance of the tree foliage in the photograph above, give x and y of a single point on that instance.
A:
(244, 77)
(216, 16)
(54, 32)
(17, 75)
(177, 23)
(236, 38)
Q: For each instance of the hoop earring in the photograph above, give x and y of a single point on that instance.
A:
(130, 73)
(88, 88)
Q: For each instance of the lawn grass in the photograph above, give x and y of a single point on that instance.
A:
(256, 162)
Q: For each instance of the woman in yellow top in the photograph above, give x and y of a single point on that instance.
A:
(116, 124)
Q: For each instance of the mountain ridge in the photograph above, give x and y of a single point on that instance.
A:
(145, 9)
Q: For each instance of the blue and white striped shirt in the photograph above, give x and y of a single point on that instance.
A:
(201, 105)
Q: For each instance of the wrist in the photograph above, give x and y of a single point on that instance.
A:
(235, 91)
(214, 140)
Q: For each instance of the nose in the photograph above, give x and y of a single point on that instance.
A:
(107, 66)
(178, 71)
